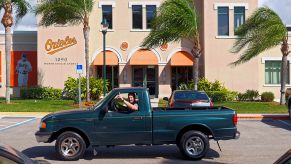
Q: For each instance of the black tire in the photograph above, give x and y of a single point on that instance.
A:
(289, 111)
(201, 142)
(76, 149)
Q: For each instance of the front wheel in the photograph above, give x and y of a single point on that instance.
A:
(194, 145)
(70, 146)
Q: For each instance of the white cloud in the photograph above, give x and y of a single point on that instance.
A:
(282, 7)
(27, 23)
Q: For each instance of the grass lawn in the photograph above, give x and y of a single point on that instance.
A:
(35, 105)
(248, 107)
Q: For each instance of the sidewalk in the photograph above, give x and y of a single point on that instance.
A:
(240, 116)
(23, 114)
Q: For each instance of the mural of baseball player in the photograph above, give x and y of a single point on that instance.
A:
(23, 67)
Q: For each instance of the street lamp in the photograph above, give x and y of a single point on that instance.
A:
(104, 28)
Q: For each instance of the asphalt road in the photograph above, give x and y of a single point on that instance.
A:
(260, 142)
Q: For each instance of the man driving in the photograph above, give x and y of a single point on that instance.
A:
(131, 103)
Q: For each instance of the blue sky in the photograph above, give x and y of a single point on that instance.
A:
(282, 7)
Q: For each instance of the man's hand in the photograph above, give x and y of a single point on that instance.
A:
(120, 97)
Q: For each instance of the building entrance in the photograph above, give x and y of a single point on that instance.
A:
(145, 76)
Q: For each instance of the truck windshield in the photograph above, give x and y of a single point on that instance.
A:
(191, 96)
(100, 101)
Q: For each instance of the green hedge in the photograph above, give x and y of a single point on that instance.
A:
(41, 93)
(215, 90)
(221, 96)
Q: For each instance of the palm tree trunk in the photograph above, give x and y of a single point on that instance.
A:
(283, 79)
(86, 31)
(8, 61)
(195, 72)
(284, 67)
(7, 21)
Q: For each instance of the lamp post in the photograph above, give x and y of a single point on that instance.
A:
(104, 28)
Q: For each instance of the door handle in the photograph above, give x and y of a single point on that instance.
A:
(138, 118)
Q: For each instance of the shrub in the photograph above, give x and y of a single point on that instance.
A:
(249, 95)
(252, 95)
(184, 86)
(41, 93)
(221, 96)
(203, 85)
(267, 97)
(241, 97)
(71, 89)
(215, 90)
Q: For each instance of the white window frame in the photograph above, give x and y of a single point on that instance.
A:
(263, 61)
(101, 3)
(143, 4)
(230, 5)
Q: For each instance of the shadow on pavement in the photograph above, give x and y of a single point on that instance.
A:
(47, 152)
(283, 124)
(171, 154)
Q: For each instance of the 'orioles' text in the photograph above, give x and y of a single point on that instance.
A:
(55, 46)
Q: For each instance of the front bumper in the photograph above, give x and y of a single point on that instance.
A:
(43, 136)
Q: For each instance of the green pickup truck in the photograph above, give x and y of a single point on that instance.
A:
(110, 122)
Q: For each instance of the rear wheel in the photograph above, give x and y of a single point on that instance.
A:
(194, 145)
(70, 146)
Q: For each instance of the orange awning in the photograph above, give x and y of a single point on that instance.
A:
(181, 58)
(143, 57)
(111, 58)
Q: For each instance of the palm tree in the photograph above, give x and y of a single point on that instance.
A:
(176, 20)
(21, 8)
(72, 12)
(263, 30)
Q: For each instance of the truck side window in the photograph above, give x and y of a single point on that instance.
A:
(124, 102)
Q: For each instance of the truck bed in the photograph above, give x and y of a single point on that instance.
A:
(192, 108)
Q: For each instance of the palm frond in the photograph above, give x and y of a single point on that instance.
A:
(263, 30)
(63, 11)
(21, 7)
(176, 20)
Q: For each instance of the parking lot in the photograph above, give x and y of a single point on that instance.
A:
(260, 142)
(11, 122)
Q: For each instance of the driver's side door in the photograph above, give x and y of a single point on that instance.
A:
(121, 128)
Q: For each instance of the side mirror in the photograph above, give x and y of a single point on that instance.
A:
(166, 98)
(104, 110)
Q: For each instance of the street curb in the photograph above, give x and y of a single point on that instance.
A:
(263, 116)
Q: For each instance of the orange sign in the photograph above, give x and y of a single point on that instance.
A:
(0, 68)
(23, 68)
(55, 46)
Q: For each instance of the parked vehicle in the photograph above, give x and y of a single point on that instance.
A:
(188, 98)
(9, 155)
(288, 100)
(111, 123)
